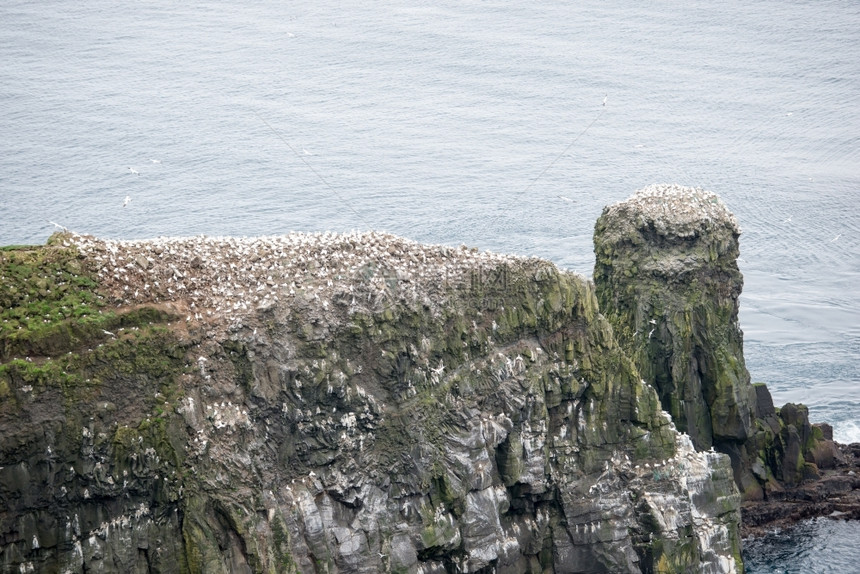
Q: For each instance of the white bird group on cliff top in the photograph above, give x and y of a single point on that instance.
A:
(225, 278)
(675, 206)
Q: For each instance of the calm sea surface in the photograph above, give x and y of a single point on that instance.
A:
(466, 122)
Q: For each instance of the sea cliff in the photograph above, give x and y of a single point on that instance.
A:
(335, 403)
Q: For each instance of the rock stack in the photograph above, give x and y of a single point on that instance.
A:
(667, 279)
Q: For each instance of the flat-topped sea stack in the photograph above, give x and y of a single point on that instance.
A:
(667, 279)
(340, 403)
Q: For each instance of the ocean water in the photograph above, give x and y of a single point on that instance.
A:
(816, 546)
(475, 122)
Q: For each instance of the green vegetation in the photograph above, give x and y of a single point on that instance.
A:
(148, 354)
(42, 290)
(55, 331)
(283, 559)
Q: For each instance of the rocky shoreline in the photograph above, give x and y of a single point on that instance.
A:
(836, 495)
(667, 279)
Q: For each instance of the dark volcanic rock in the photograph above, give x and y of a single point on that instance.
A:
(836, 494)
(335, 403)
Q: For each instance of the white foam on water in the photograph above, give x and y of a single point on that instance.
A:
(846, 432)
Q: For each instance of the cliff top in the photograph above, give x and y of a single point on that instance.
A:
(225, 278)
(673, 209)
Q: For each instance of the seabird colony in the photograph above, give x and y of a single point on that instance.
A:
(227, 278)
(675, 207)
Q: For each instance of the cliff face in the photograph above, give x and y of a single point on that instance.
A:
(336, 403)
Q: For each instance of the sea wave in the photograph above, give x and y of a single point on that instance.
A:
(846, 432)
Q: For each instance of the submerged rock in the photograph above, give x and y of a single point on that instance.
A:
(338, 403)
